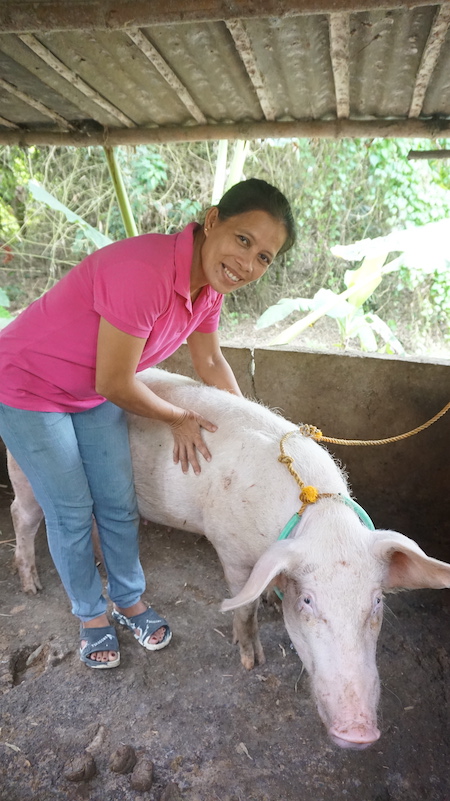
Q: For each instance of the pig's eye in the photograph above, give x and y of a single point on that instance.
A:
(306, 603)
(377, 603)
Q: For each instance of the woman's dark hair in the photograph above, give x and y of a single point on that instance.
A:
(257, 195)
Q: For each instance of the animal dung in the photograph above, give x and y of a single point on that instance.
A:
(142, 776)
(80, 768)
(123, 759)
(171, 793)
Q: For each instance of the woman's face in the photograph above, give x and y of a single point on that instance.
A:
(239, 250)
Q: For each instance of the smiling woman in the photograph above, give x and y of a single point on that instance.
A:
(63, 390)
(237, 250)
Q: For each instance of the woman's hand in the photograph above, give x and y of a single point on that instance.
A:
(188, 440)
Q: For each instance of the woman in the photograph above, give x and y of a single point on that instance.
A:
(68, 368)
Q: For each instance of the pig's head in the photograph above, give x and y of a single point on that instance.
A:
(333, 575)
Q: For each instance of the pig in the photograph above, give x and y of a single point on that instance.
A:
(332, 570)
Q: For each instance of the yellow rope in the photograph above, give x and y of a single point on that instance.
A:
(315, 433)
(308, 494)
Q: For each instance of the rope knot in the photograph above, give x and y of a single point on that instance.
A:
(309, 495)
(310, 431)
(285, 459)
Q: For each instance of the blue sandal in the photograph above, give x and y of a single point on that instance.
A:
(146, 623)
(99, 639)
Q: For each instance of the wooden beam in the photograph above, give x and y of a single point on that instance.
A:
(150, 51)
(74, 79)
(339, 52)
(428, 154)
(8, 123)
(245, 50)
(59, 15)
(430, 57)
(329, 129)
(30, 101)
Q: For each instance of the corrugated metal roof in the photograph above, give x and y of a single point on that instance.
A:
(127, 72)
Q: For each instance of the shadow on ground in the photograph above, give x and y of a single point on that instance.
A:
(216, 731)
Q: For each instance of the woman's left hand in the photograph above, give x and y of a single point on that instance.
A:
(188, 440)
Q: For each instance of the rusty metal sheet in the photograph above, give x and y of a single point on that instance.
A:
(273, 69)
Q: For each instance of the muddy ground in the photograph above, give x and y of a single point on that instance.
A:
(216, 731)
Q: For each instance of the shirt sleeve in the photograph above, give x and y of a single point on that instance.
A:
(131, 295)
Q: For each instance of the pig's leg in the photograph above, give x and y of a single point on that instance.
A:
(245, 621)
(26, 516)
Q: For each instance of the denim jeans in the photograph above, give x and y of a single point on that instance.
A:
(79, 465)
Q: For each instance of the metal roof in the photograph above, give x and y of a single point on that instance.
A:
(139, 71)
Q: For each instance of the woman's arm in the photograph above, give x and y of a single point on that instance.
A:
(210, 363)
(118, 356)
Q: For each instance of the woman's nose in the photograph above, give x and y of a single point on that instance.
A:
(245, 261)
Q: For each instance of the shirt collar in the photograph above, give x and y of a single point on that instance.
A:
(184, 251)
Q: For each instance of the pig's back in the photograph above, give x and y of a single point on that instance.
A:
(244, 490)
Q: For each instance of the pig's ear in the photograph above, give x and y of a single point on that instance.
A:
(407, 566)
(279, 557)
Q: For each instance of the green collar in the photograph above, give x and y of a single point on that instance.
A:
(362, 514)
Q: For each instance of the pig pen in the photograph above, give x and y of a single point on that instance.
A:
(213, 730)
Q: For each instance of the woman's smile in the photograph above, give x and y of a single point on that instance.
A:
(232, 276)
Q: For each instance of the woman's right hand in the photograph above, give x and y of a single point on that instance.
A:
(186, 431)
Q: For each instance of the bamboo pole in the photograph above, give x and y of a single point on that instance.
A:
(121, 192)
(328, 129)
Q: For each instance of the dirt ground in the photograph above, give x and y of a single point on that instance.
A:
(216, 731)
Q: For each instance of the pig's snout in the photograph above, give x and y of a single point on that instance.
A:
(356, 737)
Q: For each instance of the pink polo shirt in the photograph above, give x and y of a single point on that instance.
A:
(140, 285)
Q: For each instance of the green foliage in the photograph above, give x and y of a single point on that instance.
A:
(15, 172)
(425, 250)
(341, 191)
(351, 320)
(42, 196)
(5, 316)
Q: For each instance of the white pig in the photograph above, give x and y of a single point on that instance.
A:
(332, 569)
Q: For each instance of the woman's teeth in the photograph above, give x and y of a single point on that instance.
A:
(230, 275)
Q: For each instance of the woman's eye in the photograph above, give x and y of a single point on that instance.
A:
(243, 239)
(265, 259)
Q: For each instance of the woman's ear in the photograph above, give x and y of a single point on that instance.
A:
(212, 217)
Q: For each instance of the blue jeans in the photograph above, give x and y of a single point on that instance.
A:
(79, 465)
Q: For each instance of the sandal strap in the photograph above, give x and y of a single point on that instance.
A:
(98, 639)
(148, 622)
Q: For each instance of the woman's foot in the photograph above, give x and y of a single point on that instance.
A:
(99, 656)
(137, 609)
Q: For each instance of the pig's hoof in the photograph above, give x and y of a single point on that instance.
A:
(248, 662)
(252, 657)
(30, 583)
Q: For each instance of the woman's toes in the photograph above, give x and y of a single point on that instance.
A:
(157, 636)
(101, 656)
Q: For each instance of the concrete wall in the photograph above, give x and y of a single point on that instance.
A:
(404, 486)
